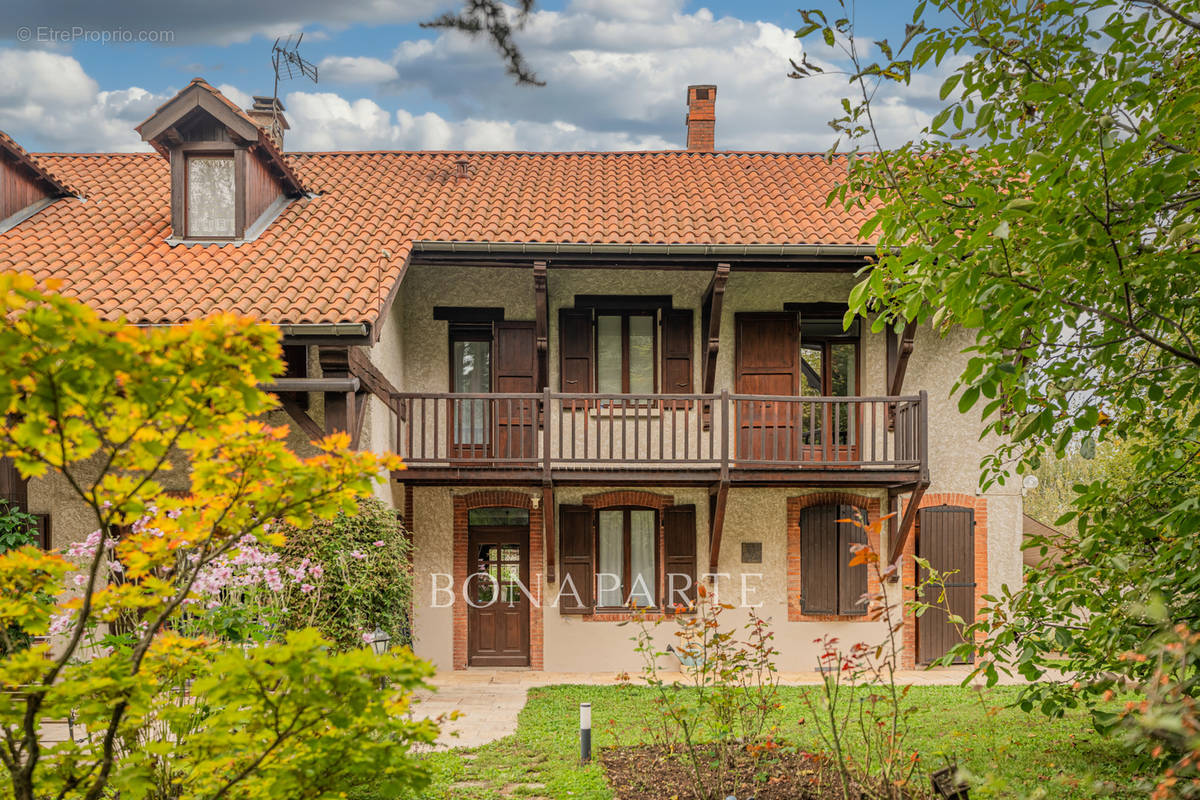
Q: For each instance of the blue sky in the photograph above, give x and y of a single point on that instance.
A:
(616, 71)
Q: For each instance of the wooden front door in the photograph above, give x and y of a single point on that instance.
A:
(498, 611)
(766, 363)
(946, 539)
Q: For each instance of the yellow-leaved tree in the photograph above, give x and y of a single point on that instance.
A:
(118, 412)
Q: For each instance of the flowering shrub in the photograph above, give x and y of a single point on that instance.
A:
(349, 575)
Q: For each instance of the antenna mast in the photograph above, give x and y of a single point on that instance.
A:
(289, 65)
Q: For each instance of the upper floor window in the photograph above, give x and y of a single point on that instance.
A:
(211, 197)
(625, 348)
(625, 345)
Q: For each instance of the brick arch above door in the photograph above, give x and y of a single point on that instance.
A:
(498, 498)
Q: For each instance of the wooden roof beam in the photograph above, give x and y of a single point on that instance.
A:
(906, 522)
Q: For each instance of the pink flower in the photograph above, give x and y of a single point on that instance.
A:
(380, 543)
(79, 579)
(60, 623)
(357, 555)
(306, 587)
(316, 570)
(368, 637)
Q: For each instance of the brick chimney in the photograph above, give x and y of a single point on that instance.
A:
(267, 113)
(701, 117)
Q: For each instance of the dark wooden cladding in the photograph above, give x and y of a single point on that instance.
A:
(677, 351)
(577, 554)
(946, 539)
(515, 372)
(14, 490)
(577, 362)
(828, 584)
(588, 431)
(818, 560)
(19, 188)
(852, 580)
(679, 554)
(261, 189)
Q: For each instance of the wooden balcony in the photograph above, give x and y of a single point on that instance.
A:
(693, 439)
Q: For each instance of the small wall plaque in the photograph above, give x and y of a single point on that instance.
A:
(751, 552)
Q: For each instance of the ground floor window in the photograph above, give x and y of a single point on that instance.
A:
(828, 584)
(617, 557)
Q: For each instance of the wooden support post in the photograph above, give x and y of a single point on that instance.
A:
(541, 316)
(714, 298)
(716, 524)
(340, 414)
(906, 523)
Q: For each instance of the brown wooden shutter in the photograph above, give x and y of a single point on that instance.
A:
(946, 539)
(576, 551)
(575, 349)
(679, 553)
(852, 581)
(514, 370)
(45, 540)
(14, 490)
(677, 351)
(818, 560)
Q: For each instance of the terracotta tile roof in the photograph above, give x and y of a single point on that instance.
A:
(336, 256)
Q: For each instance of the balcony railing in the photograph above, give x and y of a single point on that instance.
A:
(560, 431)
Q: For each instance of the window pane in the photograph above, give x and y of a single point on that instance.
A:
(641, 558)
(210, 197)
(641, 355)
(473, 374)
(843, 368)
(811, 368)
(608, 353)
(497, 516)
(612, 558)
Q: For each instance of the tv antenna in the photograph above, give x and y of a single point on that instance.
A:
(288, 65)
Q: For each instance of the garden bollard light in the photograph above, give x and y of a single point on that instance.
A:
(585, 732)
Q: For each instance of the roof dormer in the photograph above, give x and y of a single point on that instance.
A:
(229, 178)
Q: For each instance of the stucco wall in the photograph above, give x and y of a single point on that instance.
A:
(753, 514)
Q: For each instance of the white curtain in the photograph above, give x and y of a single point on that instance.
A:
(612, 558)
(641, 558)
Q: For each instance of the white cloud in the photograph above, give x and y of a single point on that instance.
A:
(47, 98)
(356, 69)
(618, 67)
(615, 72)
(326, 121)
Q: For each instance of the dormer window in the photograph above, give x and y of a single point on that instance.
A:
(211, 197)
(229, 177)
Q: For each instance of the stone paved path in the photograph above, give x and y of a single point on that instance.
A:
(490, 700)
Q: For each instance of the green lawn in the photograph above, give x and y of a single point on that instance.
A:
(1022, 754)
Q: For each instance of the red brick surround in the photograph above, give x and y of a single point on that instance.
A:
(499, 499)
(629, 497)
(979, 506)
(794, 506)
